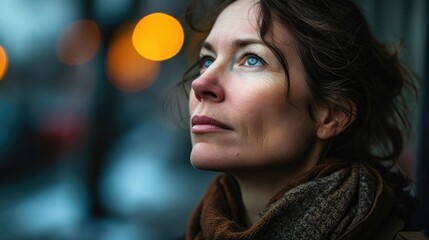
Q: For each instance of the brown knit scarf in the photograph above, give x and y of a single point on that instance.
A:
(334, 200)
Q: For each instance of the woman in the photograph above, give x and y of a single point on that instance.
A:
(303, 111)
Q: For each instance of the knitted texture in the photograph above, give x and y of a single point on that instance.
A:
(335, 200)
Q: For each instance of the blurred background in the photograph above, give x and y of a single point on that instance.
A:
(87, 149)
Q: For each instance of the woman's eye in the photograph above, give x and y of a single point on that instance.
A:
(205, 62)
(253, 60)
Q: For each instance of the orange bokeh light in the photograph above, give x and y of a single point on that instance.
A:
(4, 62)
(79, 42)
(127, 70)
(158, 36)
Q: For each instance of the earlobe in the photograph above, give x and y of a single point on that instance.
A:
(334, 119)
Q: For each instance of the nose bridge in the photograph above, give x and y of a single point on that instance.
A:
(208, 86)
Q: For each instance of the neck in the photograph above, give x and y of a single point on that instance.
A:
(257, 188)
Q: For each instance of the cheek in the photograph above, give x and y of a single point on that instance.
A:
(269, 101)
(273, 115)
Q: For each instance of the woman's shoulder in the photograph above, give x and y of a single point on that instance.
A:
(410, 236)
(393, 229)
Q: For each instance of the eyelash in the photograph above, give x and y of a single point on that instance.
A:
(244, 57)
(202, 59)
(249, 54)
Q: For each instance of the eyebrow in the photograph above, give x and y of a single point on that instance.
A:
(239, 43)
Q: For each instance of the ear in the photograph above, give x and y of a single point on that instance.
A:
(333, 119)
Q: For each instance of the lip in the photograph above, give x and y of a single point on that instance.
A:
(204, 124)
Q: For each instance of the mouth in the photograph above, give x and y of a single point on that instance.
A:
(204, 124)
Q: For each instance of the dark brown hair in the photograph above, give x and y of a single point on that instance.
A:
(344, 63)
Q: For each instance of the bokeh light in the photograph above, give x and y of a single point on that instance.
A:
(126, 69)
(4, 62)
(79, 42)
(158, 36)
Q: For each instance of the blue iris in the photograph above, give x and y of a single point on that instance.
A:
(207, 62)
(253, 61)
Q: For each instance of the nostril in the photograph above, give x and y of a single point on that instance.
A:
(209, 94)
(207, 87)
(206, 95)
(197, 96)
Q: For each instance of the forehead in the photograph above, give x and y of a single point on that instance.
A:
(240, 20)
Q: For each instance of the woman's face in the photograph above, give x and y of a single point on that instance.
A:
(241, 117)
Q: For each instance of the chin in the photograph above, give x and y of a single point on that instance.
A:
(204, 157)
(209, 162)
(216, 158)
(205, 163)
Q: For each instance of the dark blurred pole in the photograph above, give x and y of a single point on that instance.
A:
(423, 163)
(103, 126)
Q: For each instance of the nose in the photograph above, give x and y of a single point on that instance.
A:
(207, 87)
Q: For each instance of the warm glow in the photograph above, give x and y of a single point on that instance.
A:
(158, 36)
(127, 70)
(79, 42)
(3, 62)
